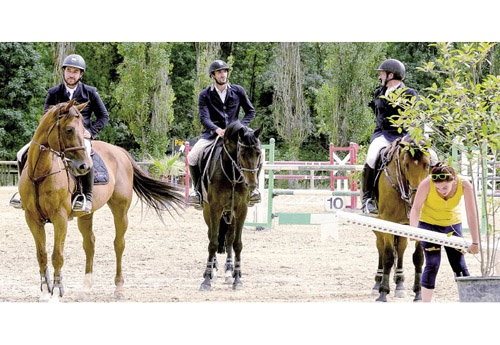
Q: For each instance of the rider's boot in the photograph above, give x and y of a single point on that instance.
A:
(194, 199)
(14, 201)
(368, 204)
(83, 203)
(255, 197)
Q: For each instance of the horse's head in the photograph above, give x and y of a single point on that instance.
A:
(415, 161)
(245, 142)
(62, 126)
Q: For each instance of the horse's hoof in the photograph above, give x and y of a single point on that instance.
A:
(205, 287)
(399, 294)
(382, 297)
(375, 292)
(237, 286)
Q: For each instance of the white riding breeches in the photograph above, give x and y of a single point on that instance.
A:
(374, 149)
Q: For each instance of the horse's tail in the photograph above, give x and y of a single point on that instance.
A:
(158, 194)
(222, 236)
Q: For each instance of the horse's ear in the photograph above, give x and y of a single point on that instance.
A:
(69, 105)
(81, 106)
(258, 131)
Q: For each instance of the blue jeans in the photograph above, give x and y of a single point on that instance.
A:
(432, 253)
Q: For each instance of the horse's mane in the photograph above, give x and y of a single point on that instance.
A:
(236, 130)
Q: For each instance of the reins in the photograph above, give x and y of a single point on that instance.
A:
(402, 185)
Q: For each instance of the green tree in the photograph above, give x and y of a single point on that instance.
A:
(291, 115)
(144, 95)
(22, 90)
(341, 104)
(462, 110)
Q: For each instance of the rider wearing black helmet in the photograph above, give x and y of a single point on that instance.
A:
(391, 75)
(219, 105)
(74, 68)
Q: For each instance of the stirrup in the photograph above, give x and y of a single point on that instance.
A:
(16, 203)
(80, 204)
(369, 207)
(194, 199)
(255, 198)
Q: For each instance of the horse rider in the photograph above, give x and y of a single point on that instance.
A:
(391, 75)
(72, 87)
(218, 105)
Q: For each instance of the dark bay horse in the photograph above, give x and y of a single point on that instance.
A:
(231, 171)
(404, 164)
(47, 183)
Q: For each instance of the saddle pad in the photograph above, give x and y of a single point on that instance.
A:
(101, 175)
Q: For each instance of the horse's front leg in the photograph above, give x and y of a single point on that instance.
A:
(388, 262)
(399, 277)
(380, 267)
(85, 224)
(238, 247)
(60, 230)
(39, 236)
(418, 262)
(210, 273)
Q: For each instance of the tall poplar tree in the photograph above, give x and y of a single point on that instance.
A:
(290, 113)
(144, 95)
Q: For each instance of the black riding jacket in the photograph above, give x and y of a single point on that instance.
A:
(383, 111)
(82, 94)
(217, 114)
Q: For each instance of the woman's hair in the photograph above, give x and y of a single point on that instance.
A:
(442, 173)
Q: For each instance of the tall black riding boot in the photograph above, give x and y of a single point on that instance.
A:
(368, 204)
(194, 198)
(84, 204)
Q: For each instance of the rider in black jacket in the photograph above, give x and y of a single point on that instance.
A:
(72, 88)
(392, 73)
(219, 105)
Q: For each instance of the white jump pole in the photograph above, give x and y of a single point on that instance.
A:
(380, 225)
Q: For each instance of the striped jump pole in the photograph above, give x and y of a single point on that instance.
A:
(375, 224)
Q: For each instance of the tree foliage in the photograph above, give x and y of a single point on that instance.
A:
(145, 94)
(336, 81)
(462, 110)
(342, 99)
(291, 115)
(22, 83)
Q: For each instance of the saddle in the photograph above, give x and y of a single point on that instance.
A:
(385, 156)
(206, 163)
(101, 175)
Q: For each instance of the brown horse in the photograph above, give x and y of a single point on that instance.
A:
(231, 171)
(47, 184)
(404, 164)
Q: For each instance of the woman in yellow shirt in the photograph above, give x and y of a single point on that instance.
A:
(436, 207)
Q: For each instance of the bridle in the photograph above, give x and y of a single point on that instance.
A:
(61, 152)
(401, 185)
(236, 164)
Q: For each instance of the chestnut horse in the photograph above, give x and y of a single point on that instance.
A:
(231, 170)
(404, 164)
(56, 157)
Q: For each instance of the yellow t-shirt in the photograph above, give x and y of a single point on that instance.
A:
(438, 211)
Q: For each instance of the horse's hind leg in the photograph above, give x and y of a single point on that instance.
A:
(399, 277)
(121, 224)
(85, 224)
(229, 265)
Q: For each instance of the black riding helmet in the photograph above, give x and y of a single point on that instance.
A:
(74, 60)
(217, 65)
(393, 66)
